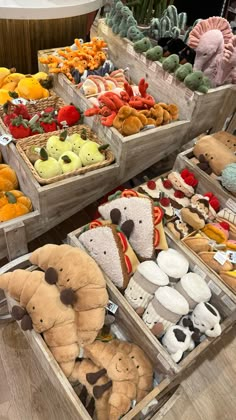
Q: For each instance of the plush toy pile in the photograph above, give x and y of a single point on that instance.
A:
(13, 203)
(73, 62)
(21, 123)
(216, 156)
(94, 84)
(65, 153)
(132, 109)
(65, 302)
(13, 85)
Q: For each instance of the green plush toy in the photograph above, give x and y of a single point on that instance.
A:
(117, 18)
(134, 34)
(195, 81)
(56, 145)
(183, 71)
(155, 53)
(69, 162)
(111, 14)
(143, 45)
(77, 141)
(47, 167)
(123, 27)
(171, 63)
(90, 153)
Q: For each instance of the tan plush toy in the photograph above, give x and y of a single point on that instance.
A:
(121, 370)
(41, 309)
(129, 121)
(80, 282)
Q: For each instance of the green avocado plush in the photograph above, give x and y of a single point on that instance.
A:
(171, 63)
(155, 53)
(195, 81)
(134, 34)
(183, 71)
(143, 45)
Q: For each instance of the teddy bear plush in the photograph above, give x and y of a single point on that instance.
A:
(41, 309)
(81, 284)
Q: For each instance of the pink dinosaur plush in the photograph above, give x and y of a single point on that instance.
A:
(212, 40)
(226, 71)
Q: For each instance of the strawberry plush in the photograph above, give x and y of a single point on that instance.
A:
(22, 110)
(36, 129)
(19, 128)
(70, 114)
(48, 123)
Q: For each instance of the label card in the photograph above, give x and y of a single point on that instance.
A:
(5, 139)
(60, 79)
(153, 67)
(228, 302)
(130, 50)
(199, 271)
(220, 257)
(231, 256)
(143, 59)
(112, 307)
(215, 289)
(20, 101)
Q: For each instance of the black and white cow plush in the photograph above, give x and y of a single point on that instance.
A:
(177, 340)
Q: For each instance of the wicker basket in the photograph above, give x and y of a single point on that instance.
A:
(33, 108)
(40, 140)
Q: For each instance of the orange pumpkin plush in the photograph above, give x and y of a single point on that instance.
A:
(13, 204)
(8, 178)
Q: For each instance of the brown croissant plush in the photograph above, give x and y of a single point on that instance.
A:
(41, 309)
(81, 284)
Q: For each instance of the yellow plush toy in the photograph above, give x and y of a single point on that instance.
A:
(30, 88)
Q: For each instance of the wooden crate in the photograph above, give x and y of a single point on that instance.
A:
(206, 111)
(206, 183)
(222, 299)
(127, 325)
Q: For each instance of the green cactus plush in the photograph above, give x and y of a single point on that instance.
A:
(134, 34)
(117, 17)
(69, 162)
(77, 141)
(172, 14)
(143, 45)
(47, 167)
(56, 145)
(155, 53)
(90, 153)
(123, 27)
(195, 81)
(183, 71)
(171, 63)
(111, 14)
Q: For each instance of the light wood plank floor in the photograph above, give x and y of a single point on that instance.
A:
(209, 391)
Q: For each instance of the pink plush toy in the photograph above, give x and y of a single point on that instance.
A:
(226, 72)
(211, 38)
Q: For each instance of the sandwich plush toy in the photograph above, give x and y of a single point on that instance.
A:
(109, 246)
(80, 282)
(143, 284)
(148, 233)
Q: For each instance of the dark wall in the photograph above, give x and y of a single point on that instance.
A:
(199, 8)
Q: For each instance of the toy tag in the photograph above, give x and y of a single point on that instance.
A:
(64, 124)
(143, 59)
(153, 67)
(198, 271)
(231, 255)
(5, 139)
(228, 302)
(104, 28)
(34, 119)
(60, 79)
(133, 403)
(111, 307)
(215, 289)
(169, 79)
(130, 50)
(189, 95)
(231, 204)
(19, 101)
(220, 257)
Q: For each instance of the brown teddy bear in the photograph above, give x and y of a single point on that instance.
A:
(80, 282)
(41, 309)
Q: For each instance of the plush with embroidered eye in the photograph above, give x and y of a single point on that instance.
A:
(8, 178)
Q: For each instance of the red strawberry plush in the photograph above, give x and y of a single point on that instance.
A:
(9, 113)
(22, 110)
(36, 129)
(70, 114)
(48, 123)
(19, 128)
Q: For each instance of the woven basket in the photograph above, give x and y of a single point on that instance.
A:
(40, 140)
(51, 101)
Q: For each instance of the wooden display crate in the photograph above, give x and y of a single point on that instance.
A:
(206, 111)
(127, 325)
(206, 182)
(222, 299)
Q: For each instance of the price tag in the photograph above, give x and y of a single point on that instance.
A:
(228, 302)
(143, 59)
(64, 124)
(231, 256)
(231, 204)
(199, 271)
(130, 50)
(105, 29)
(19, 101)
(220, 257)
(112, 307)
(189, 95)
(61, 79)
(215, 289)
(153, 67)
(34, 119)
(5, 139)
(169, 79)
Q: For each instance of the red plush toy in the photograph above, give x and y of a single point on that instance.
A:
(69, 114)
(19, 128)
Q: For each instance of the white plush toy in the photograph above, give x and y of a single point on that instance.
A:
(166, 308)
(206, 318)
(177, 340)
(173, 263)
(144, 283)
(194, 289)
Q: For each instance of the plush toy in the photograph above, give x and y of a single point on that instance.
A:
(197, 81)
(41, 309)
(171, 63)
(229, 277)
(187, 55)
(13, 204)
(148, 233)
(143, 45)
(77, 141)
(128, 121)
(226, 70)
(90, 153)
(228, 178)
(30, 88)
(117, 17)
(155, 53)
(177, 340)
(194, 289)
(209, 39)
(121, 370)
(219, 232)
(47, 167)
(134, 34)
(127, 20)
(179, 228)
(197, 213)
(8, 178)
(229, 140)
(173, 263)
(165, 309)
(184, 182)
(197, 243)
(208, 258)
(107, 243)
(216, 154)
(57, 145)
(206, 318)
(69, 162)
(80, 282)
(183, 71)
(141, 288)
